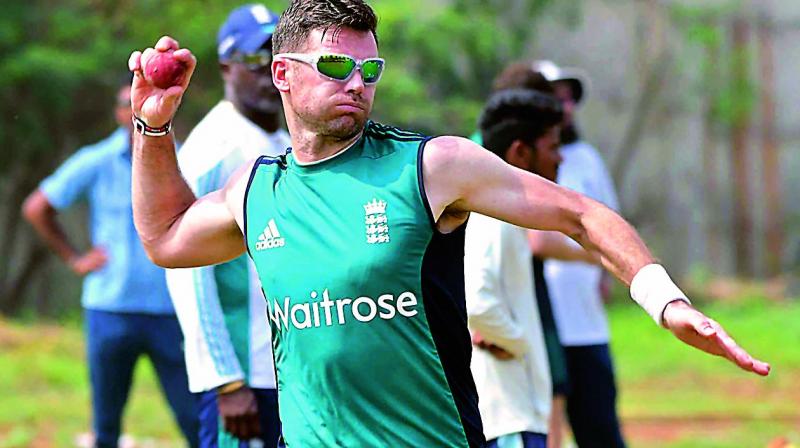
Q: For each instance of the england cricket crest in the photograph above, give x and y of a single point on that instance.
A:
(376, 222)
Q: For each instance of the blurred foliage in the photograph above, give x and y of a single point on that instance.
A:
(443, 56)
(706, 25)
(62, 62)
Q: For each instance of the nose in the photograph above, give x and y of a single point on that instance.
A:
(356, 82)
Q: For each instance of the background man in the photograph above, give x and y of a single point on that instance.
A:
(328, 220)
(518, 75)
(520, 126)
(126, 304)
(221, 308)
(575, 287)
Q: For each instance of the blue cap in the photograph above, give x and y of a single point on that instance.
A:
(245, 30)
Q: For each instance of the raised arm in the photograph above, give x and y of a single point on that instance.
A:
(461, 177)
(464, 177)
(177, 229)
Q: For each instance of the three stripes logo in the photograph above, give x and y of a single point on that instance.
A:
(270, 238)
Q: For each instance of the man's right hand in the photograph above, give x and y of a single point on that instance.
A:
(154, 105)
(91, 261)
(239, 413)
(495, 350)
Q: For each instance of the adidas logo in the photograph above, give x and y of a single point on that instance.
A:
(270, 238)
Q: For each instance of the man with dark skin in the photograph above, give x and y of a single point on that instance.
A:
(326, 67)
(221, 308)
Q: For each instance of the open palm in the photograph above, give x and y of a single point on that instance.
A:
(694, 328)
(154, 105)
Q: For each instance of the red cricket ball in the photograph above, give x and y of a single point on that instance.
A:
(163, 70)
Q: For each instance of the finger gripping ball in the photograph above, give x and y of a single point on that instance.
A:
(163, 70)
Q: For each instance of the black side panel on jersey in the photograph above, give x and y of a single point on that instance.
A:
(446, 310)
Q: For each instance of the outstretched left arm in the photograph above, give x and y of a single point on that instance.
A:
(462, 177)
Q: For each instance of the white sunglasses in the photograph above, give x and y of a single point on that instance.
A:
(340, 67)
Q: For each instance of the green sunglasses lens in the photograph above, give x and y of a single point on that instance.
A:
(371, 71)
(336, 67)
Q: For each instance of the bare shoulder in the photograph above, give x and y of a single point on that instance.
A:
(451, 168)
(458, 160)
(446, 152)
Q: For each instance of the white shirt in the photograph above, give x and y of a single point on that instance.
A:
(575, 286)
(221, 143)
(514, 395)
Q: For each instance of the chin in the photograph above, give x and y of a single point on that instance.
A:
(346, 126)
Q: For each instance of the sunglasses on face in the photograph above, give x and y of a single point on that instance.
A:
(340, 67)
(253, 61)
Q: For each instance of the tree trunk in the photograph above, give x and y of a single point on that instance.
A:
(655, 58)
(769, 154)
(713, 225)
(740, 129)
(13, 294)
(15, 278)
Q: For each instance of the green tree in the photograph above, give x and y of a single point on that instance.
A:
(62, 61)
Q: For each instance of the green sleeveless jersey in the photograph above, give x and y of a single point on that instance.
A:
(365, 299)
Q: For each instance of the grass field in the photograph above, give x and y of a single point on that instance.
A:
(670, 396)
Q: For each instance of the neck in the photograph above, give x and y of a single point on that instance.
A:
(270, 122)
(266, 121)
(309, 147)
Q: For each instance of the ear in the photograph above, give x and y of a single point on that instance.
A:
(518, 151)
(225, 69)
(280, 70)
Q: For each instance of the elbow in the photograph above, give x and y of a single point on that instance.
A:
(158, 260)
(157, 253)
(593, 218)
(574, 223)
(162, 260)
(34, 207)
(27, 210)
(167, 256)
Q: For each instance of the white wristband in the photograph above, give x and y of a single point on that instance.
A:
(652, 289)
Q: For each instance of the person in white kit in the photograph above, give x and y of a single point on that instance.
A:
(511, 367)
(221, 308)
(575, 287)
